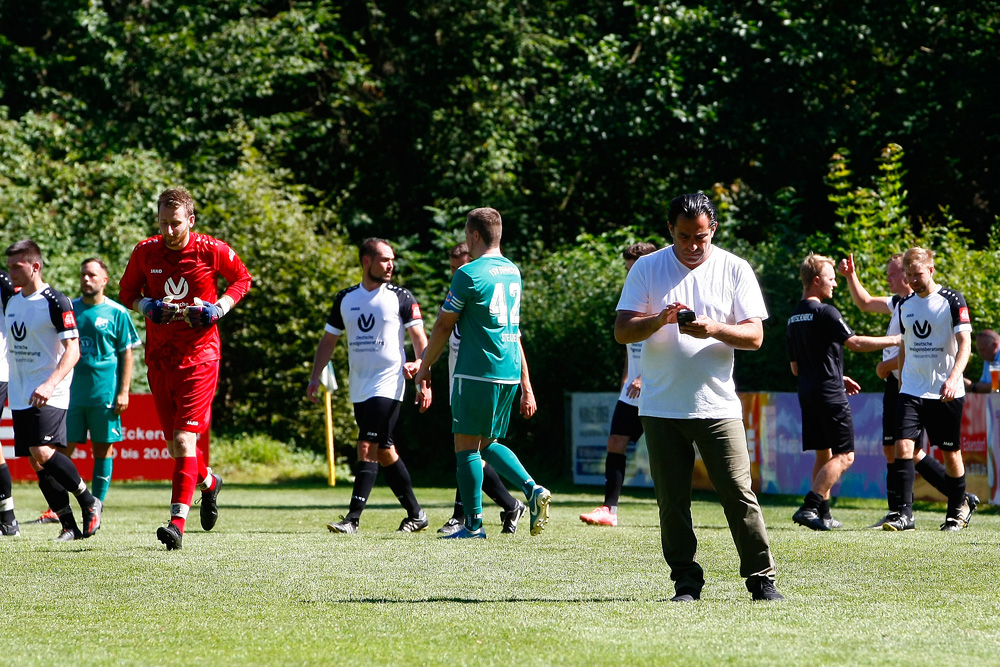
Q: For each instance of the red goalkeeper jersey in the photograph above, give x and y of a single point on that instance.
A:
(180, 276)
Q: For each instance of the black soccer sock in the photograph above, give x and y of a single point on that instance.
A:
(904, 475)
(398, 478)
(6, 495)
(459, 512)
(824, 509)
(956, 496)
(934, 473)
(892, 486)
(64, 472)
(614, 479)
(57, 498)
(493, 487)
(812, 501)
(364, 482)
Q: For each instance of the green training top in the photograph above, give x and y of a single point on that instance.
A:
(106, 330)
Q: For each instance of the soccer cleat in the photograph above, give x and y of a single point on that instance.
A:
(686, 595)
(464, 533)
(538, 505)
(832, 523)
(897, 522)
(10, 529)
(881, 522)
(170, 535)
(968, 507)
(210, 504)
(68, 535)
(91, 517)
(810, 519)
(48, 516)
(763, 589)
(345, 525)
(952, 525)
(451, 525)
(510, 519)
(413, 524)
(602, 516)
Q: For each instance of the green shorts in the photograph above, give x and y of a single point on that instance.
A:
(479, 407)
(102, 422)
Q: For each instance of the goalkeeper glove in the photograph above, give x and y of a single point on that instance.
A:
(160, 312)
(200, 315)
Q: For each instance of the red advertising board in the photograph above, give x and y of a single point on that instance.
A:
(142, 454)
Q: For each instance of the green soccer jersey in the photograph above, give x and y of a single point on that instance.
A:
(486, 293)
(106, 330)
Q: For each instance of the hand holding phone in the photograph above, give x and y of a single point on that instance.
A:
(685, 316)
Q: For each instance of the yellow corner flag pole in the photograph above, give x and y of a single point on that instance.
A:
(329, 383)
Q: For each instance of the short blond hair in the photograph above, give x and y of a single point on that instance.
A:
(812, 267)
(920, 256)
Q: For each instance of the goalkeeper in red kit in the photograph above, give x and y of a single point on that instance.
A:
(171, 280)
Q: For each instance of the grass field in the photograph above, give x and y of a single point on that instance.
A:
(270, 585)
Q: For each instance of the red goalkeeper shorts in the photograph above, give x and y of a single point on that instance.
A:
(183, 396)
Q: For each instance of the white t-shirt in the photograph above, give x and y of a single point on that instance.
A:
(373, 324)
(685, 377)
(929, 325)
(634, 353)
(893, 330)
(36, 325)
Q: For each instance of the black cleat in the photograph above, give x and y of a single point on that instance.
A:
(686, 595)
(810, 519)
(510, 519)
(345, 525)
(897, 523)
(878, 524)
(68, 535)
(91, 517)
(968, 507)
(210, 504)
(10, 529)
(452, 525)
(413, 524)
(952, 525)
(763, 589)
(170, 535)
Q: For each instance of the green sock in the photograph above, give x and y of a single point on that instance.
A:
(102, 477)
(470, 486)
(508, 465)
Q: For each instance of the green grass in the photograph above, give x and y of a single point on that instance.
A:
(270, 585)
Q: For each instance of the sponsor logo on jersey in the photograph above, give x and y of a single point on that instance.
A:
(963, 315)
(366, 322)
(102, 322)
(415, 313)
(69, 319)
(192, 422)
(176, 291)
(353, 308)
(921, 329)
(18, 331)
(156, 270)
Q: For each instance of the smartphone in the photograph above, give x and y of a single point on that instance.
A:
(685, 316)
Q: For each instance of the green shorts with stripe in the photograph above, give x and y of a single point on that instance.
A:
(102, 422)
(480, 407)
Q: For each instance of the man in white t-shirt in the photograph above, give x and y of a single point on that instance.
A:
(372, 316)
(888, 369)
(688, 393)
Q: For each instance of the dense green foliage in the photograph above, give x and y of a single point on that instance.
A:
(303, 127)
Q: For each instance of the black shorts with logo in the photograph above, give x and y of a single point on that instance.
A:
(889, 421)
(941, 419)
(625, 421)
(376, 419)
(44, 426)
(827, 426)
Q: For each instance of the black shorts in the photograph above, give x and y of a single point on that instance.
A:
(625, 421)
(3, 395)
(828, 426)
(889, 423)
(376, 419)
(941, 419)
(43, 426)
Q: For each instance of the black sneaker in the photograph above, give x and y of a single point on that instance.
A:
(68, 535)
(968, 507)
(762, 588)
(897, 522)
(170, 535)
(10, 529)
(345, 525)
(210, 504)
(686, 595)
(810, 519)
(91, 517)
(413, 524)
(878, 524)
(452, 525)
(510, 519)
(952, 525)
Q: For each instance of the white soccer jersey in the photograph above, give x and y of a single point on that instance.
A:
(373, 323)
(36, 326)
(893, 330)
(634, 354)
(929, 326)
(685, 377)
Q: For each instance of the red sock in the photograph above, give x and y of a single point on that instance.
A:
(203, 476)
(185, 469)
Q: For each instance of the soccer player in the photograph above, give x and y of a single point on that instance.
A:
(937, 342)
(888, 369)
(171, 280)
(625, 424)
(43, 348)
(817, 335)
(493, 486)
(485, 301)
(8, 522)
(373, 315)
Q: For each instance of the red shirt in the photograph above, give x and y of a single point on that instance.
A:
(157, 272)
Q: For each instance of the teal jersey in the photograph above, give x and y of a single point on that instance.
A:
(106, 330)
(486, 293)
